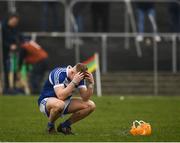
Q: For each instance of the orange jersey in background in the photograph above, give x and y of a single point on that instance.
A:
(34, 52)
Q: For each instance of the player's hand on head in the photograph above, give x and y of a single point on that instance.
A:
(78, 77)
(89, 77)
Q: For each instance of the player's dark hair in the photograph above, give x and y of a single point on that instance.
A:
(80, 67)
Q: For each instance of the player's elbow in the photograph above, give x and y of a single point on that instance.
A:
(61, 94)
(61, 97)
(86, 96)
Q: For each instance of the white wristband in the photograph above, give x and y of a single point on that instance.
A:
(74, 82)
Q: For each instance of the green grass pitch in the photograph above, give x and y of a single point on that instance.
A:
(21, 120)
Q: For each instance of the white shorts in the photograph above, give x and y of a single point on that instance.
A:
(43, 109)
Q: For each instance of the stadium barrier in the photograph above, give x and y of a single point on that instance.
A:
(68, 35)
(104, 46)
(1, 63)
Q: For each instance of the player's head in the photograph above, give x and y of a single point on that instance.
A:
(13, 20)
(80, 67)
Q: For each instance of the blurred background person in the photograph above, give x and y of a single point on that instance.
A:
(31, 53)
(53, 8)
(100, 16)
(10, 36)
(78, 21)
(144, 8)
(78, 11)
(174, 11)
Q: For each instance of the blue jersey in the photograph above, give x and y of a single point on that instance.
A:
(57, 77)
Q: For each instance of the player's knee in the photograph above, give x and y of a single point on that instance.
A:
(59, 106)
(91, 105)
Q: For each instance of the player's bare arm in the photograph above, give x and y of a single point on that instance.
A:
(62, 93)
(86, 93)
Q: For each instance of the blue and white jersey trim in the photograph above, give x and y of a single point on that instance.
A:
(57, 75)
(50, 80)
(58, 85)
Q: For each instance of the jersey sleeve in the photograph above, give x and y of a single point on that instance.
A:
(82, 84)
(57, 79)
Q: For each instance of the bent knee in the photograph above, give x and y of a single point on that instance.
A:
(91, 105)
(59, 105)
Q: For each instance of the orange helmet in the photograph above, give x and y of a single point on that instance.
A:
(142, 128)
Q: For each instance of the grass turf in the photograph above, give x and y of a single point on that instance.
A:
(20, 119)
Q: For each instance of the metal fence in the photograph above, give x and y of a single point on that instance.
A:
(71, 37)
(168, 40)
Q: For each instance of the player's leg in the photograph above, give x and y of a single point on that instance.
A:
(80, 110)
(54, 107)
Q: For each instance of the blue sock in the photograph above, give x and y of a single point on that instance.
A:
(66, 124)
(50, 125)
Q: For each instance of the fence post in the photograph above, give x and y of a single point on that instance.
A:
(155, 65)
(77, 52)
(174, 54)
(133, 24)
(104, 53)
(1, 63)
(98, 76)
(67, 24)
(127, 29)
(34, 36)
(11, 6)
